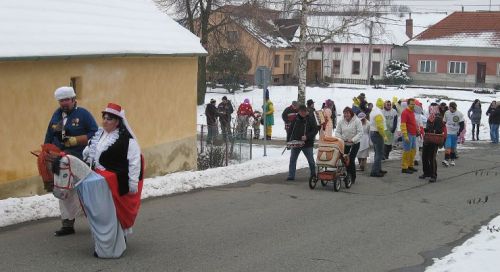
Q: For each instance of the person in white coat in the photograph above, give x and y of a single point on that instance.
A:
(364, 144)
(350, 129)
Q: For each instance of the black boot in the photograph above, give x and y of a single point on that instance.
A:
(67, 228)
(64, 231)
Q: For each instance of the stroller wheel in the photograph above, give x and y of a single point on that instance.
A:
(312, 182)
(348, 181)
(336, 185)
(324, 183)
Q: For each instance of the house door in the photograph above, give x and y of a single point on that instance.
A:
(313, 72)
(481, 73)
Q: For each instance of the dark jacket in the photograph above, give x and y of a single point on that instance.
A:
(495, 116)
(225, 111)
(304, 126)
(79, 122)
(490, 112)
(211, 113)
(289, 115)
(436, 127)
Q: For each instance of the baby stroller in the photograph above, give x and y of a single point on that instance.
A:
(331, 164)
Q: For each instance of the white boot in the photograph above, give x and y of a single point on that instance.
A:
(452, 163)
(446, 163)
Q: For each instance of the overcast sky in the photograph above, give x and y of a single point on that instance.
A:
(449, 5)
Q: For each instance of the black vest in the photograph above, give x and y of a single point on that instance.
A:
(114, 159)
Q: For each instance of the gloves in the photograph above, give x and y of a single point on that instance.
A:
(70, 141)
(132, 187)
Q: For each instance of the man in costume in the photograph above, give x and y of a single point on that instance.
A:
(69, 129)
(378, 137)
(409, 129)
(455, 123)
(268, 109)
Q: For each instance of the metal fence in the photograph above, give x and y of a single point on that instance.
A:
(221, 146)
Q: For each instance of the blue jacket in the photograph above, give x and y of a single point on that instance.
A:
(79, 122)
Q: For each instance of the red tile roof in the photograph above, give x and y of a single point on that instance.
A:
(463, 22)
(462, 27)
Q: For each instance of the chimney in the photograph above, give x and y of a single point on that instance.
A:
(409, 28)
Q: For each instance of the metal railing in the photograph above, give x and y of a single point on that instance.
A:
(223, 145)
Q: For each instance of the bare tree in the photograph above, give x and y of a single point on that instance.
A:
(196, 15)
(322, 21)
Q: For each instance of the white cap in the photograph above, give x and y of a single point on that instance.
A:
(64, 92)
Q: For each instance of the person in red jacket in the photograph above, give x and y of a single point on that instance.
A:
(409, 130)
(244, 113)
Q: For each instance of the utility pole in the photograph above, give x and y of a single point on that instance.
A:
(370, 53)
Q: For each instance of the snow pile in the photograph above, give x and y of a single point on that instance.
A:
(479, 253)
(17, 210)
(33, 28)
(265, 36)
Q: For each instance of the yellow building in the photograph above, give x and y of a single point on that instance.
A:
(127, 53)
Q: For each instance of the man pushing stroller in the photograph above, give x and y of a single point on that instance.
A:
(303, 129)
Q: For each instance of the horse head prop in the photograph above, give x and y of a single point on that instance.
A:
(68, 172)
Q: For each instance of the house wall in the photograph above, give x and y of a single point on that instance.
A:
(257, 52)
(158, 94)
(442, 56)
(347, 57)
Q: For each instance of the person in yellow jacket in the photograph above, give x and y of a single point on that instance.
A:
(409, 130)
(268, 108)
(378, 137)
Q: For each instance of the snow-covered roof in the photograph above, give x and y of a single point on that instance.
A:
(387, 29)
(264, 32)
(463, 29)
(53, 28)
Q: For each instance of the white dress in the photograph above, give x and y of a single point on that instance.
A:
(364, 147)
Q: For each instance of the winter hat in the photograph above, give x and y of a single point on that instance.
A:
(212, 100)
(361, 115)
(114, 109)
(246, 101)
(224, 98)
(64, 92)
(394, 100)
(310, 102)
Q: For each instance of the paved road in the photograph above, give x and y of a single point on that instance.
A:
(268, 224)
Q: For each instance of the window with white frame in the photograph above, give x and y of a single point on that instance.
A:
(457, 67)
(427, 66)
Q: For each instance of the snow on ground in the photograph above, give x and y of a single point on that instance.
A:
(17, 210)
(342, 95)
(479, 253)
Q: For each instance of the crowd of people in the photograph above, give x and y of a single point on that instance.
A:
(365, 126)
(219, 118)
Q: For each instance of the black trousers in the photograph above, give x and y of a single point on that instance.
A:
(353, 152)
(429, 163)
(475, 130)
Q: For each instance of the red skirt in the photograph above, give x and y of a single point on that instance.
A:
(127, 206)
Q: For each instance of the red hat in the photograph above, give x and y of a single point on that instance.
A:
(114, 109)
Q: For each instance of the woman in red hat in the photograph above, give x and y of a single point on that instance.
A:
(114, 153)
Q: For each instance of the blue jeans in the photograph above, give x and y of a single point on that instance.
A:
(451, 141)
(295, 152)
(494, 133)
(411, 144)
(378, 145)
